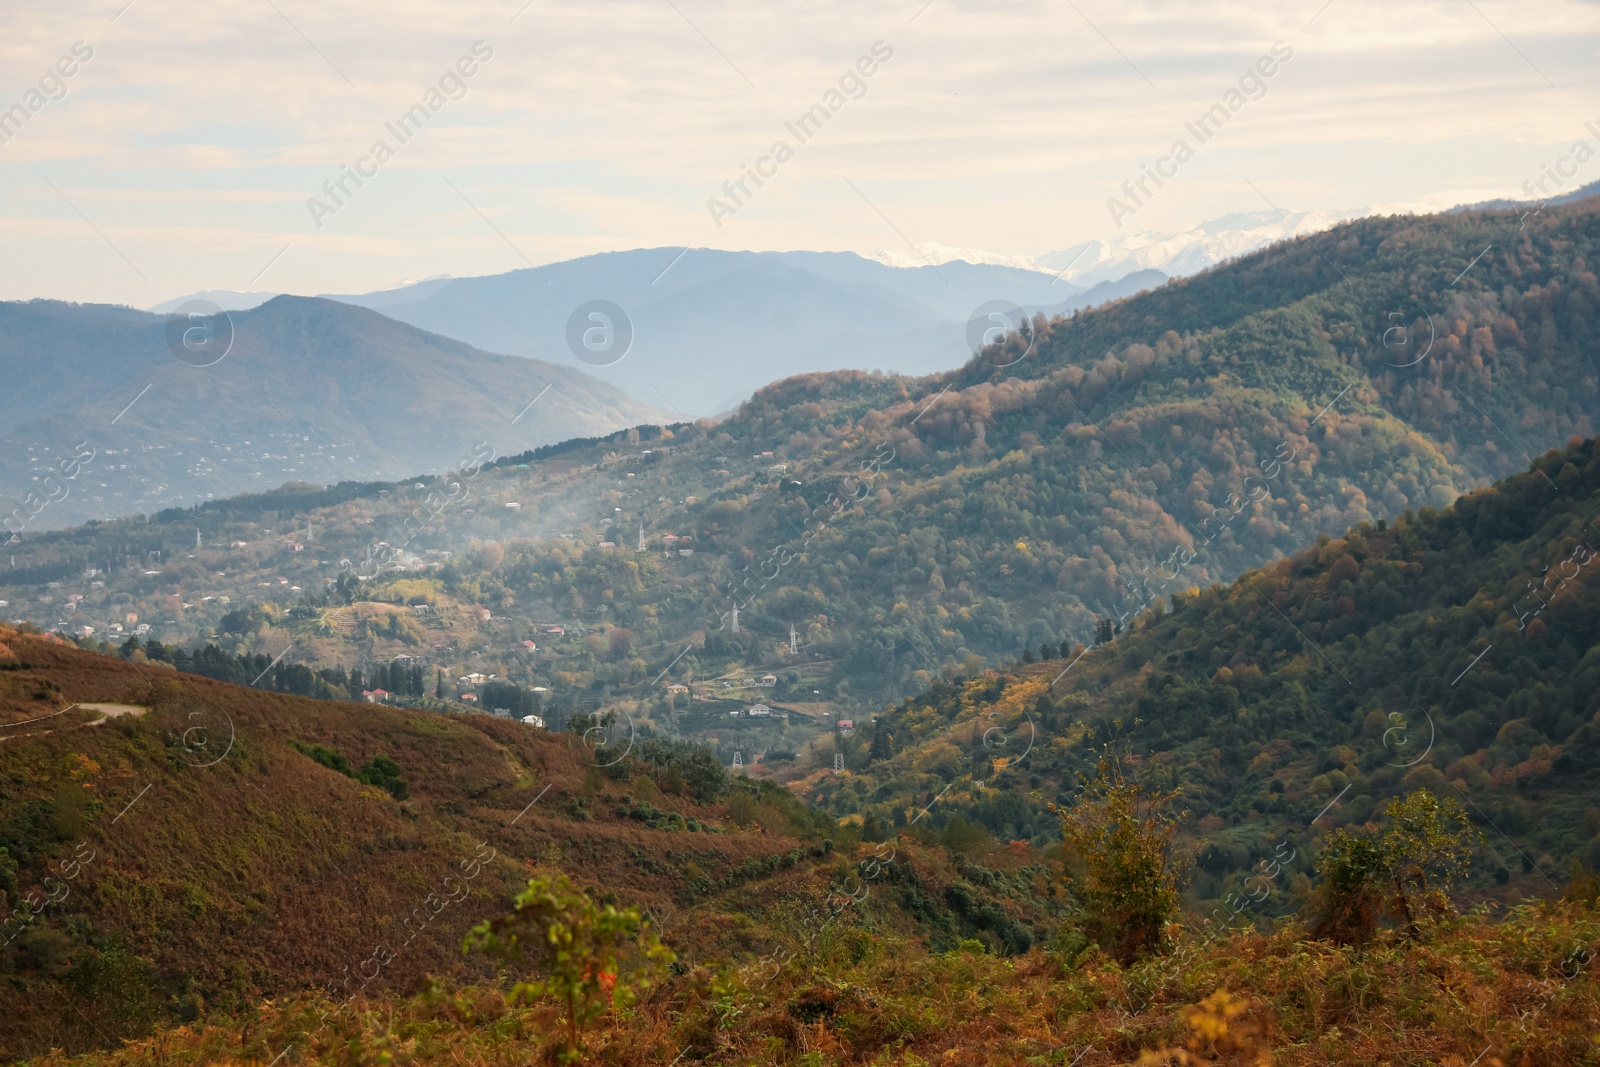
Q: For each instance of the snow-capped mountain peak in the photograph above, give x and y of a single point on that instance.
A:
(931, 253)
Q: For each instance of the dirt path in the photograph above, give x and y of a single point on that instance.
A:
(111, 711)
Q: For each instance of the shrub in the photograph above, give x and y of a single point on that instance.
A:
(574, 946)
(1405, 871)
(1127, 877)
(380, 770)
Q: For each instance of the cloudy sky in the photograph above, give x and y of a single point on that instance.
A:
(184, 151)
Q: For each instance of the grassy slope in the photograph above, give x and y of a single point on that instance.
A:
(1521, 991)
(218, 865)
(268, 872)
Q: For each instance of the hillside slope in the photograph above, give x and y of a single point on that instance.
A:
(1454, 650)
(904, 525)
(309, 391)
(172, 847)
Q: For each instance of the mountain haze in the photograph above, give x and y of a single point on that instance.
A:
(312, 391)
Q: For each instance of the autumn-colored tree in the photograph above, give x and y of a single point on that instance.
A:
(1404, 871)
(575, 948)
(1127, 873)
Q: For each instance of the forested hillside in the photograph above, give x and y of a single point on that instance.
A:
(1456, 651)
(904, 525)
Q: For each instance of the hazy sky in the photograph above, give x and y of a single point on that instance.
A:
(184, 151)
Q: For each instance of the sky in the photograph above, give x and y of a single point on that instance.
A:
(185, 152)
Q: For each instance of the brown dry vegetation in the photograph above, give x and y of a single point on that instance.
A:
(266, 872)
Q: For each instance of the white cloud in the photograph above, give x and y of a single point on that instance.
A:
(197, 131)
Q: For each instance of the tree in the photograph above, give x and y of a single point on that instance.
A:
(1404, 871)
(882, 743)
(1121, 837)
(575, 948)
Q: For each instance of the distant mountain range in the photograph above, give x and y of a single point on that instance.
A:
(709, 327)
(310, 390)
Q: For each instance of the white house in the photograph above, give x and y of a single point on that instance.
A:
(769, 680)
(534, 721)
(758, 711)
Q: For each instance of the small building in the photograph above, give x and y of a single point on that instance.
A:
(470, 698)
(769, 680)
(484, 614)
(558, 631)
(758, 711)
(533, 720)
(376, 696)
(676, 688)
(608, 544)
(847, 726)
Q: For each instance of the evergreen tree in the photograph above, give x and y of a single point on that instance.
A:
(882, 742)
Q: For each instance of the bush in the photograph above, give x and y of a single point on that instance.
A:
(384, 773)
(574, 947)
(380, 770)
(1405, 871)
(1127, 877)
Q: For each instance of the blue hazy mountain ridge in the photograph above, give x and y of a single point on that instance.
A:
(311, 390)
(712, 327)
